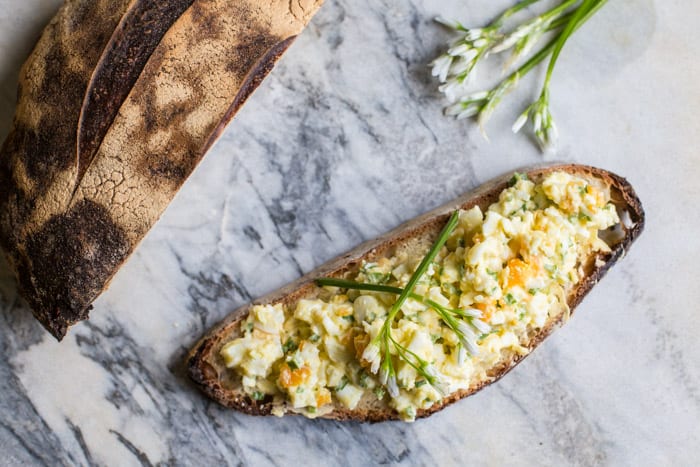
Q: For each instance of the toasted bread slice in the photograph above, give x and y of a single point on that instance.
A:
(206, 366)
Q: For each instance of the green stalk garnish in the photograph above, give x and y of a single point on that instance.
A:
(378, 353)
(457, 65)
(353, 285)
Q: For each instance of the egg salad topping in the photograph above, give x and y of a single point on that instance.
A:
(499, 276)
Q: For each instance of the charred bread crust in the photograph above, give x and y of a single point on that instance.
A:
(117, 104)
(206, 368)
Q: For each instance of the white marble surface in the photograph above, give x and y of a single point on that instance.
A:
(344, 141)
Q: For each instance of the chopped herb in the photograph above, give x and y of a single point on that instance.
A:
(437, 338)
(311, 409)
(379, 392)
(314, 338)
(363, 378)
(300, 389)
(583, 190)
(367, 266)
(258, 396)
(249, 326)
(343, 382)
(410, 412)
(510, 300)
(420, 382)
(350, 318)
(377, 277)
(491, 273)
(516, 178)
(521, 315)
(584, 217)
(450, 289)
(292, 364)
(374, 277)
(533, 291)
(289, 346)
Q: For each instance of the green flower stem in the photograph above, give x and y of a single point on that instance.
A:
(510, 12)
(353, 285)
(573, 22)
(587, 9)
(348, 284)
(556, 11)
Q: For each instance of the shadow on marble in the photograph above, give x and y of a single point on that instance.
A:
(23, 43)
(8, 87)
(18, 325)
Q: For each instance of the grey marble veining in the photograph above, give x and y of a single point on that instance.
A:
(342, 142)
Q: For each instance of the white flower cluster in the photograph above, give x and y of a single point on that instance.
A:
(481, 104)
(542, 122)
(455, 69)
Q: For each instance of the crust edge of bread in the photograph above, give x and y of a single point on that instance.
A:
(204, 374)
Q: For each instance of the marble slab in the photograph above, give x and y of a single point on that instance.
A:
(344, 141)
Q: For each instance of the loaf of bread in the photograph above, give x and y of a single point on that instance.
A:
(117, 104)
(252, 363)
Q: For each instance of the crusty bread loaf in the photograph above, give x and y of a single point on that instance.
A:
(117, 104)
(206, 366)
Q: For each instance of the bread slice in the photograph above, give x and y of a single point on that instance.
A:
(206, 366)
(117, 104)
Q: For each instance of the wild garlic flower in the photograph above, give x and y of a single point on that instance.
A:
(455, 69)
(480, 326)
(467, 337)
(468, 106)
(387, 376)
(461, 355)
(542, 122)
(471, 312)
(436, 380)
(371, 356)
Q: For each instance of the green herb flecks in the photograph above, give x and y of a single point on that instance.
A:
(343, 382)
(289, 346)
